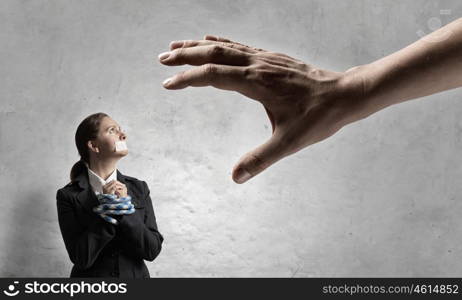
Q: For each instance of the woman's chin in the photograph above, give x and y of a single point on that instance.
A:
(122, 153)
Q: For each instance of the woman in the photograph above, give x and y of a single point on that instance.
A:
(104, 241)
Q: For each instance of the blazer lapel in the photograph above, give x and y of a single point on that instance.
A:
(86, 196)
(121, 177)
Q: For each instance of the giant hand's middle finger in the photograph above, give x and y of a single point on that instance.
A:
(206, 54)
(220, 76)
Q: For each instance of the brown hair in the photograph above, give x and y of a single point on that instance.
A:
(87, 130)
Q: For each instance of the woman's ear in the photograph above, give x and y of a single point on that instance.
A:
(91, 145)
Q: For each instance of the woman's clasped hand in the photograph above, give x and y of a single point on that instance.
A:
(110, 204)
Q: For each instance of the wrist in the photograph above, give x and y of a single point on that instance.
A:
(355, 95)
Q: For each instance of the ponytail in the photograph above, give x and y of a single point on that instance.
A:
(77, 168)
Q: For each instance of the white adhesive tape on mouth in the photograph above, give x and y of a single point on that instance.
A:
(121, 146)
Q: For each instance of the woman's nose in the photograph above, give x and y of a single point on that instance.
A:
(123, 136)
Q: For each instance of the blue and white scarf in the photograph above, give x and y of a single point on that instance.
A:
(110, 204)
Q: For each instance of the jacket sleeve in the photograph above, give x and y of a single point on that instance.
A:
(83, 243)
(141, 240)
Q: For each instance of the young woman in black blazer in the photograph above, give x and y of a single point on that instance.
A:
(96, 246)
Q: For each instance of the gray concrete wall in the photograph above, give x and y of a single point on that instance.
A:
(382, 197)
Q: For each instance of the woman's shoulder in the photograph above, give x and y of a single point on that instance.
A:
(69, 188)
(135, 181)
(131, 178)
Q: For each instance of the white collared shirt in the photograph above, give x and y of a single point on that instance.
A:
(97, 182)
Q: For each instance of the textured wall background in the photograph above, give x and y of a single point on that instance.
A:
(382, 197)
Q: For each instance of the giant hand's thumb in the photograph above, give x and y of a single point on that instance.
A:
(256, 161)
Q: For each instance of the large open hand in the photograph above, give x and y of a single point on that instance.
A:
(304, 104)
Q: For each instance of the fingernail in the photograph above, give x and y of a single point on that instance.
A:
(242, 175)
(166, 81)
(176, 44)
(164, 55)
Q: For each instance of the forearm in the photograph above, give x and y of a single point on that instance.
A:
(85, 249)
(142, 239)
(429, 65)
(139, 240)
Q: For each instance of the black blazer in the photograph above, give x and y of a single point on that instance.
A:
(101, 249)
